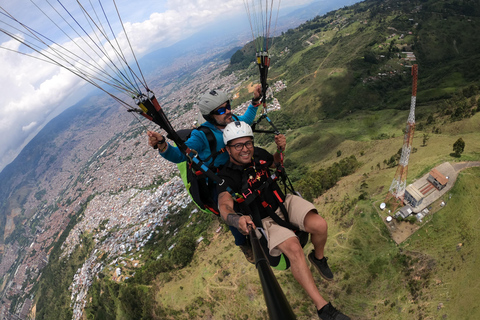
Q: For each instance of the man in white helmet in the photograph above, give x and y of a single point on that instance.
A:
(215, 108)
(264, 205)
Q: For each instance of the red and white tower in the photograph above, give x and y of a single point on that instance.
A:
(399, 183)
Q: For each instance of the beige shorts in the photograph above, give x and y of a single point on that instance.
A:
(297, 209)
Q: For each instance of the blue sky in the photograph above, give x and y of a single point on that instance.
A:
(32, 92)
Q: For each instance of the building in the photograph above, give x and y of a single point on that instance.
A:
(412, 196)
(437, 179)
(404, 212)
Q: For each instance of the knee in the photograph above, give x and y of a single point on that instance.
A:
(315, 224)
(293, 250)
(322, 226)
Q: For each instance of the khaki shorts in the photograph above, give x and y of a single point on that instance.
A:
(297, 209)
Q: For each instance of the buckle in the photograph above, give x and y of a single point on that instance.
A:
(246, 195)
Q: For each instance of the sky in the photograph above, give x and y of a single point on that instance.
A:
(32, 92)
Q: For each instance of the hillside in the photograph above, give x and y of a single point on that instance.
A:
(348, 94)
(425, 277)
(354, 63)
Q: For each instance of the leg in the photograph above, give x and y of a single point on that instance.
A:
(303, 214)
(240, 239)
(294, 252)
(243, 244)
(317, 227)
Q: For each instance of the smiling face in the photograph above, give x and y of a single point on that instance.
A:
(240, 150)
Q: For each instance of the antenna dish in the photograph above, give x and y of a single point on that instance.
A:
(382, 205)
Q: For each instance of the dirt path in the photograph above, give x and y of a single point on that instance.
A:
(459, 166)
(211, 285)
(343, 239)
(319, 66)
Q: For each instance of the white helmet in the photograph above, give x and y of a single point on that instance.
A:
(211, 101)
(236, 129)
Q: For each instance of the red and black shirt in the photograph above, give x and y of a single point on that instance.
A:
(244, 180)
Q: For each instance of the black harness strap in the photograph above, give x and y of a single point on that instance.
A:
(212, 143)
(250, 195)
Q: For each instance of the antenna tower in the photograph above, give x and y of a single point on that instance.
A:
(399, 183)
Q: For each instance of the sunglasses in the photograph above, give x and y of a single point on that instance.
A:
(222, 110)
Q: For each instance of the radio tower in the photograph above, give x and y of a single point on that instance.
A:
(399, 183)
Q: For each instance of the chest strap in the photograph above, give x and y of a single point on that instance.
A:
(250, 195)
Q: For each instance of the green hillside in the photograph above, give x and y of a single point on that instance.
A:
(348, 95)
(350, 64)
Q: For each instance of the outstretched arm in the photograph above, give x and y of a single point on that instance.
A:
(251, 112)
(197, 141)
(225, 205)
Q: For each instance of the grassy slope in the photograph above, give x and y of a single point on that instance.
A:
(452, 240)
(375, 278)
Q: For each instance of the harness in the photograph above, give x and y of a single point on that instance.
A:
(254, 202)
(200, 179)
(249, 195)
(212, 144)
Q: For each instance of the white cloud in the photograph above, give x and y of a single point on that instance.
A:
(30, 91)
(181, 20)
(29, 127)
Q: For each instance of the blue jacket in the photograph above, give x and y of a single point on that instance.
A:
(198, 142)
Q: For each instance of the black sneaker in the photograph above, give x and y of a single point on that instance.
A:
(248, 252)
(328, 312)
(321, 265)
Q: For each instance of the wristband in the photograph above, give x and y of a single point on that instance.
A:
(160, 142)
(256, 102)
(163, 150)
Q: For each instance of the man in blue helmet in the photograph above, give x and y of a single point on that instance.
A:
(215, 108)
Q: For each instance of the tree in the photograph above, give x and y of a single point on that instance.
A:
(458, 147)
(370, 57)
(183, 252)
(425, 138)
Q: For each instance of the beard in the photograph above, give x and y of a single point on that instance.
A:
(225, 120)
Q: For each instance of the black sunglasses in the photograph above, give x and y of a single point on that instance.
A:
(222, 110)
(239, 146)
